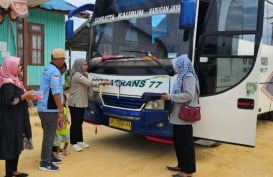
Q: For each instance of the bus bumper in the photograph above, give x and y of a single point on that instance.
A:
(146, 122)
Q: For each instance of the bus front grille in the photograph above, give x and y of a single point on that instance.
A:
(123, 102)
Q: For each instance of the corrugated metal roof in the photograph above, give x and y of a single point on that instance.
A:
(33, 3)
(57, 5)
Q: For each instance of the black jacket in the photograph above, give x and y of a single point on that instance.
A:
(14, 121)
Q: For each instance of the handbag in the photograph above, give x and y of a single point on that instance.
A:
(189, 113)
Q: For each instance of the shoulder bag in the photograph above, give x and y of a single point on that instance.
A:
(190, 113)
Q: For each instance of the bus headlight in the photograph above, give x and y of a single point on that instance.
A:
(155, 105)
(160, 124)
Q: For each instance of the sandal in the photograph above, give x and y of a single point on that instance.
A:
(177, 175)
(182, 175)
(65, 152)
(19, 174)
(174, 168)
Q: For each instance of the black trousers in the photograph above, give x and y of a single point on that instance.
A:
(11, 166)
(184, 147)
(77, 115)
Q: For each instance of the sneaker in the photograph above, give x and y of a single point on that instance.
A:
(48, 167)
(76, 147)
(83, 145)
(56, 160)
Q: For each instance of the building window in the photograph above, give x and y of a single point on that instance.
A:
(20, 40)
(35, 43)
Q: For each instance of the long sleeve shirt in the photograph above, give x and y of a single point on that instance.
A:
(187, 96)
(79, 90)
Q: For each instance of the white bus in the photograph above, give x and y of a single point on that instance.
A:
(132, 42)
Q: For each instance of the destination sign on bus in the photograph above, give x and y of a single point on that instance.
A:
(137, 13)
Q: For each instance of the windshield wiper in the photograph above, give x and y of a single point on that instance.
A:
(114, 57)
(151, 55)
(103, 58)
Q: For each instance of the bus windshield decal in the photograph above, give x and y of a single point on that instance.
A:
(137, 13)
(132, 83)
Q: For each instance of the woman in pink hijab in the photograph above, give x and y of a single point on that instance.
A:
(15, 130)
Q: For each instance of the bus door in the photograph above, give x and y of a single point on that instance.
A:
(226, 53)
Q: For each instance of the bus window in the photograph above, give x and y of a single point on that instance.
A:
(228, 45)
(227, 42)
(227, 13)
(268, 22)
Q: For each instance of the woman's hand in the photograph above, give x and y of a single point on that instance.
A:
(104, 83)
(28, 95)
(29, 102)
(164, 96)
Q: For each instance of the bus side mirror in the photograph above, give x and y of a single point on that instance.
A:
(187, 14)
(69, 34)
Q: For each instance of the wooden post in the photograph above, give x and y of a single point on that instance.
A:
(25, 51)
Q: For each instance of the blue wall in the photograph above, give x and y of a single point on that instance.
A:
(54, 30)
(54, 37)
(8, 35)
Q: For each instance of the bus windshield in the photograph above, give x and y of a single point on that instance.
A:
(135, 29)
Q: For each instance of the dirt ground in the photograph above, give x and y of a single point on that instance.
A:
(115, 153)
